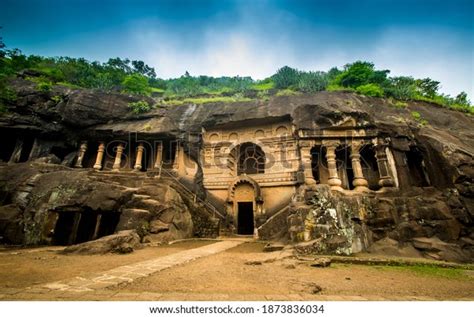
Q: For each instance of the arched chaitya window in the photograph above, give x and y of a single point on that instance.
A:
(251, 159)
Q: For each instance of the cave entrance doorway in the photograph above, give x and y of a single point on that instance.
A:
(8, 145)
(344, 167)
(86, 229)
(245, 222)
(26, 149)
(416, 166)
(108, 223)
(64, 227)
(74, 227)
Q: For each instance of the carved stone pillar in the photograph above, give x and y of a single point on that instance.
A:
(118, 158)
(100, 156)
(80, 154)
(97, 227)
(359, 182)
(306, 162)
(159, 155)
(386, 179)
(75, 227)
(334, 180)
(138, 161)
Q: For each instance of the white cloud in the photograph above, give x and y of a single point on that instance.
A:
(220, 54)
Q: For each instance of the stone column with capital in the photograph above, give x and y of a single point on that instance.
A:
(118, 157)
(386, 179)
(100, 156)
(138, 162)
(359, 182)
(159, 155)
(334, 180)
(306, 163)
(80, 154)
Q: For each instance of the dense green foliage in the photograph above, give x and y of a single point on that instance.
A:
(135, 77)
(139, 106)
(136, 84)
(372, 90)
(359, 74)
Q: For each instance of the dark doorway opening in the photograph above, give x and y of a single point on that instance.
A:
(370, 168)
(169, 152)
(61, 152)
(147, 162)
(319, 164)
(26, 149)
(64, 227)
(91, 153)
(344, 167)
(245, 218)
(6, 150)
(86, 229)
(108, 223)
(417, 168)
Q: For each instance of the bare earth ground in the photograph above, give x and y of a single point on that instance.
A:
(26, 267)
(230, 276)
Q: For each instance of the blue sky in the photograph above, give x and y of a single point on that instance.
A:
(420, 38)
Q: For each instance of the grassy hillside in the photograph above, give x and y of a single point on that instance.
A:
(135, 77)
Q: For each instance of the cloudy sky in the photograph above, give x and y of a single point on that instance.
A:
(421, 38)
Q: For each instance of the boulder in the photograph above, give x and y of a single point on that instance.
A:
(387, 246)
(321, 262)
(11, 228)
(271, 247)
(439, 250)
(121, 242)
(132, 218)
(157, 226)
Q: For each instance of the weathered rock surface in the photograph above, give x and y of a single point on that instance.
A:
(36, 195)
(434, 221)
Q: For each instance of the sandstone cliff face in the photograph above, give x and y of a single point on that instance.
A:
(443, 212)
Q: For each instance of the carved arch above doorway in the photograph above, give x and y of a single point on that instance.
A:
(242, 179)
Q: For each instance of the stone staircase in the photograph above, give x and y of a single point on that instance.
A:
(206, 218)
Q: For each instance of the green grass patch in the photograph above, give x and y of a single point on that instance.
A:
(417, 116)
(263, 86)
(400, 104)
(204, 100)
(333, 87)
(68, 85)
(444, 102)
(217, 92)
(157, 90)
(288, 92)
(428, 271)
